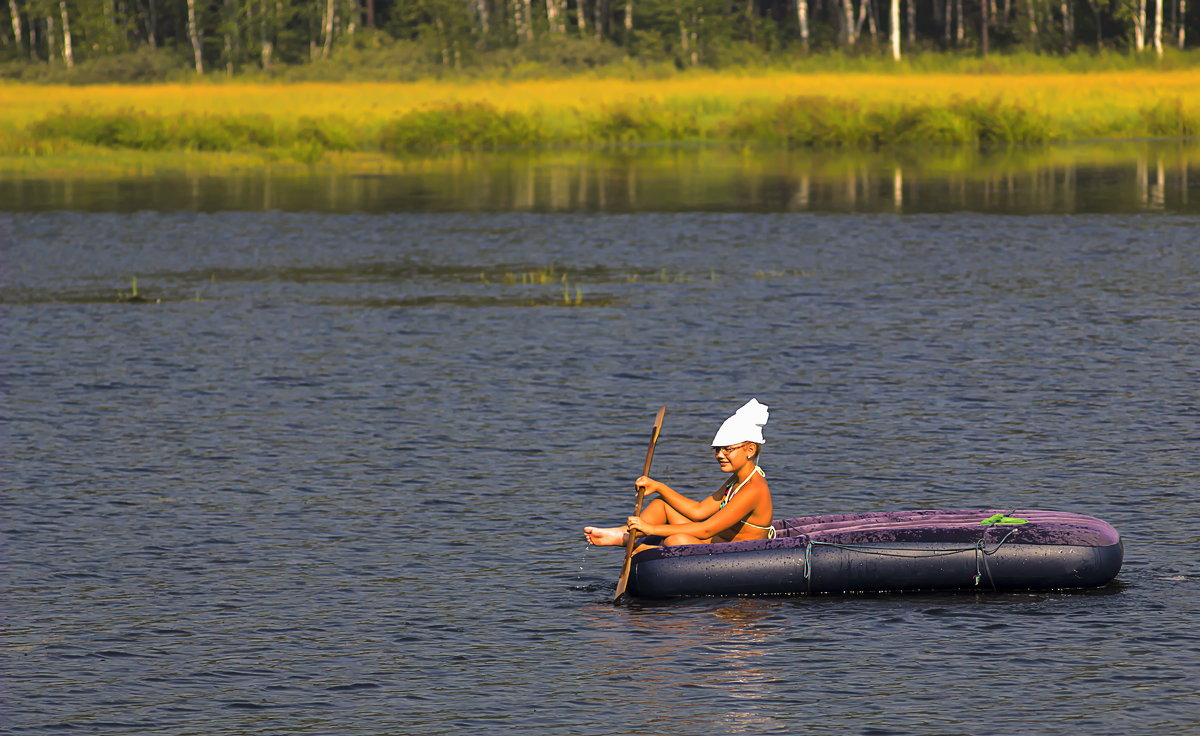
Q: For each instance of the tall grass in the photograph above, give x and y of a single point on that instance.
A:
(306, 139)
(712, 95)
(808, 122)
(798, 122)
(848, 111)
(460, 126)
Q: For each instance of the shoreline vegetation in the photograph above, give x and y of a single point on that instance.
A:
(247, 124)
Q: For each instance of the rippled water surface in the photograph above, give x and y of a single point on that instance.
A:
(334, 481)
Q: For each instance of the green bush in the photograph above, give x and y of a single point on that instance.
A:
(642, 122)
(383, 60)
(934, 126)
(805, 122)
(477, 126)
(570, 54)
(817, 122)
(142, 66)
(328, 134)
(140, 131)
(1169, 119)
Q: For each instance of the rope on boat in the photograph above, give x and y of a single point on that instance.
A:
(979, 549)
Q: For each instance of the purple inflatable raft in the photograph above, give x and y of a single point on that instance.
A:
(988, 550)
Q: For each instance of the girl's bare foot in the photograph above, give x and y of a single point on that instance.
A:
(605, 537)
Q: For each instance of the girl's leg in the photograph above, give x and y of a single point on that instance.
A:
(683, 539)
(657, 512)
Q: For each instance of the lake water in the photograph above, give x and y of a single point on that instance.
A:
(334, 482)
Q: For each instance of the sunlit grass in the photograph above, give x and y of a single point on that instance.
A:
(707, 95)
(243, 126)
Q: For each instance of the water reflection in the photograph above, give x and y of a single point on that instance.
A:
(1095, 178)
(709, 672)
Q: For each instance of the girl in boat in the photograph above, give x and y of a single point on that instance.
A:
(740, 509)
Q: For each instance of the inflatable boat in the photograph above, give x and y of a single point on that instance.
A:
(988, 550)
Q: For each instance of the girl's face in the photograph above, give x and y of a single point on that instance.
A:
(733, 457)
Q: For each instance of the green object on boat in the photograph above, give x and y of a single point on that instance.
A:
(1003, 519)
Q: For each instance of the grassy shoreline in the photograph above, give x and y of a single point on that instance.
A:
(246, 125)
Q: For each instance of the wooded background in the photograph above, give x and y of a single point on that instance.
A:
(398, 38)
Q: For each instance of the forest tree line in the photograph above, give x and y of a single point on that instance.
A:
(234, 36)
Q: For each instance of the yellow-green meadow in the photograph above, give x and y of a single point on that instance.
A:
(375, 126)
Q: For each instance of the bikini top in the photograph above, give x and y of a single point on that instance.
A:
(731, 490)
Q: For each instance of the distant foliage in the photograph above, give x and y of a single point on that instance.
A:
(94, 41)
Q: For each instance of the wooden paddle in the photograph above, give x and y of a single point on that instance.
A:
(624, 579)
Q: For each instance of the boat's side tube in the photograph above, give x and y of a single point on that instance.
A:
(826, 568)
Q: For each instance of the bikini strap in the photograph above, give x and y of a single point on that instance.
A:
(732, 490)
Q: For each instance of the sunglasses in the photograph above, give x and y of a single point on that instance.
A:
(728, 450)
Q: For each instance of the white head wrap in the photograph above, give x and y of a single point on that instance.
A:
(744, 426)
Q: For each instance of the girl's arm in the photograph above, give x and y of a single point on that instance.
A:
(738, 508)
(694, 510)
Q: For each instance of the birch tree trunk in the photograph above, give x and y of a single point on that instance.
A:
(481, 11)
(697, 21)
(1182, 24)
(960, 30)
(152, 24)
(683, 31)
(68, 53)
(518, 24)
(911, 7)
(327, 25)
(16, 20)
(1158, 27)
(850, 33)
(441, 34)
(894, 29)
(194, 36)
(51, 41)
(802, 18)
(581, 17)
(1139, 27)
(230, 33)
(267, 46)
(866, 13)
(628, 17)
(552, 15)
(1068, 24)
